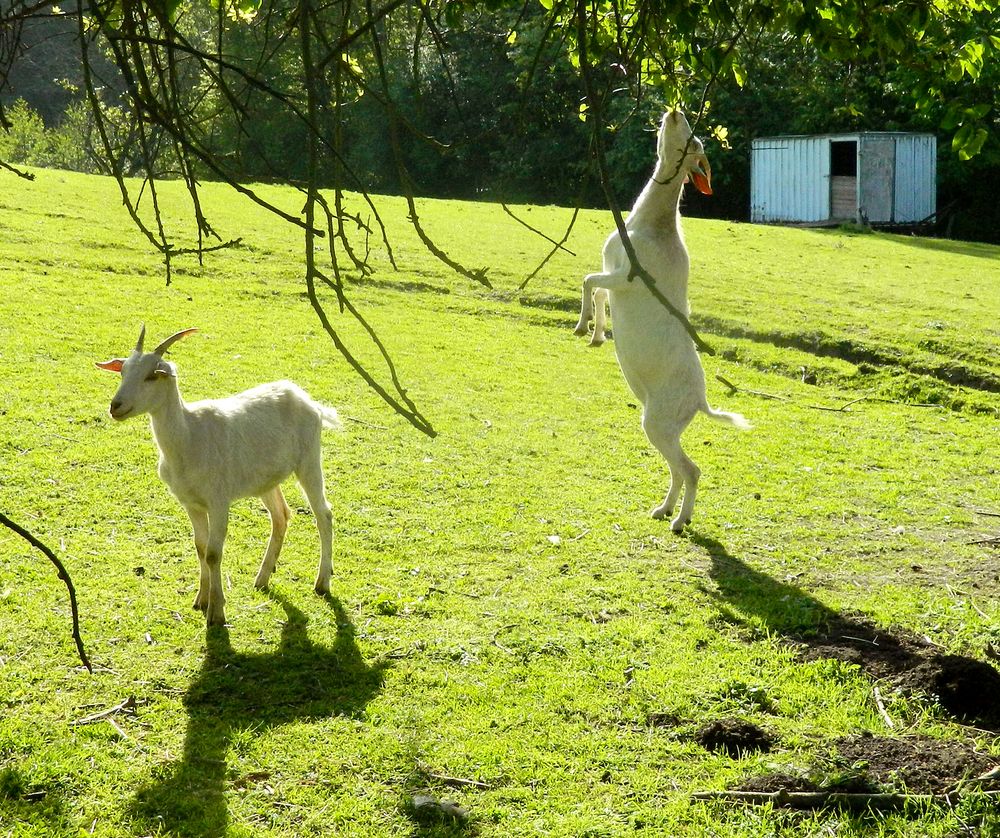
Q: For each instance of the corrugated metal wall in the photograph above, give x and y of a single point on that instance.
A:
(916, 178)
(790, 177)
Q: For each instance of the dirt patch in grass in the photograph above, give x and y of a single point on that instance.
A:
(917, 764)
(735, 737)
(863, 764)
(968, 689)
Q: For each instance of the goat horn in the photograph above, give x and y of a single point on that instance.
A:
(142, 337)
(170, 341)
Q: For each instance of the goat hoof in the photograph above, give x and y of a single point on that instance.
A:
(594, 342)
(678, 524)
(581, 330)
(322, 588)
(661, 512)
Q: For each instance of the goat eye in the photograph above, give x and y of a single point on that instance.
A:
(151, 377)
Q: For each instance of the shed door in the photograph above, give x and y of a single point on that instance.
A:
(843, 180)
(877, 179)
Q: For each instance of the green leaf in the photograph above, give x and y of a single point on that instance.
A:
(952, 118)
(973, 145)
(739, 75)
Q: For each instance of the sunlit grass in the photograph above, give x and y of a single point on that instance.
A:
(503, 609)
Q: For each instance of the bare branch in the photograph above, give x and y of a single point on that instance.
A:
(596, 107)
(64, 575)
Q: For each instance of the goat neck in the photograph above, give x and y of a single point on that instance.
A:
(658, 205)
(169, 419)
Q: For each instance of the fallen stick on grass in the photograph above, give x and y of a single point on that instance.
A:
(735, 389)
(64, 575)
(880, 706)
(127, 706)
(454, 782)
(876, 801)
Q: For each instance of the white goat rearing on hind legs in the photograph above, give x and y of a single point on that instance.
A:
(656, 355)
(215, 451)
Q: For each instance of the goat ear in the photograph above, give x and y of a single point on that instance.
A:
(701, 176)
(114, 365)
(165, 369)
(702, 182)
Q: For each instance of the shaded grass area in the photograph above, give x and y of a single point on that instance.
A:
(238, 694)
(504, 610)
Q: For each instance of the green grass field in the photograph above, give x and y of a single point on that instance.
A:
(504, 609)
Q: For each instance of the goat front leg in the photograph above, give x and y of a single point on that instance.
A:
(199, 523)
(218, 520)
(310, 476)
(274, 501)
(591, 283)
(600, 316)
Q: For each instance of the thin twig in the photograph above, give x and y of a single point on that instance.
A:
(497, 643)
(437, 590)
(842, 409)
(454, 782)
(881, 708)
(956, 593)
(558, 244)
(128, 706)
(819, 799)
(64, 575)
(363, 422)
(734, 389)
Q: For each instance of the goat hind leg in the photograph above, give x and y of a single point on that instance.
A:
(274, 501)
(684, 474)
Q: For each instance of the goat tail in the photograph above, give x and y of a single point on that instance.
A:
(331, 419)
(737, 420)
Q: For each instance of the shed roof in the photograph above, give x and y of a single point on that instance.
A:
(846, 135)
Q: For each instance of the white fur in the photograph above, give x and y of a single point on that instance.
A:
(657, 357)
(215, 451)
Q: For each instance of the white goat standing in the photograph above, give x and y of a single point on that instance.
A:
(215, 451)
(657, 357)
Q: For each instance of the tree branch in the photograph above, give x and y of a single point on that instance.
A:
(597, 111)
(63, 574)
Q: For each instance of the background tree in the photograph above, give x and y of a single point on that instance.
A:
(347, 98)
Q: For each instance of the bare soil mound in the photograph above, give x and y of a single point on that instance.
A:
(734, 737)
(863, 764)
(966, 688)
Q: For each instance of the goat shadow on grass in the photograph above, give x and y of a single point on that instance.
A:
(967, 689)
(237, 693)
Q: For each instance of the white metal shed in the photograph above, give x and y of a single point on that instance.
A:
(881, 177)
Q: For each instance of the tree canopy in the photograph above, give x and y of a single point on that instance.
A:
(343, 99)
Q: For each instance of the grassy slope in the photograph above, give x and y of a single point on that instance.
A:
(462, 638)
